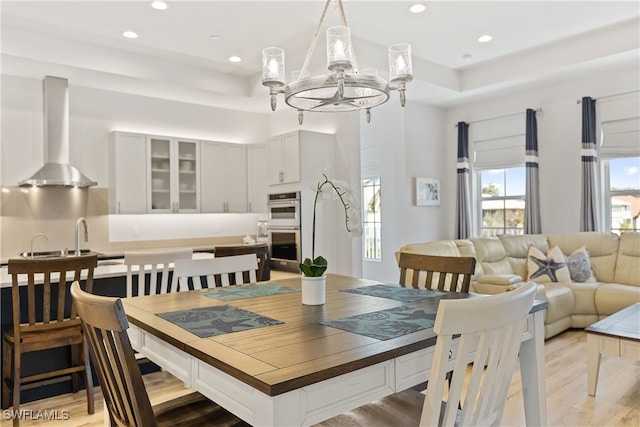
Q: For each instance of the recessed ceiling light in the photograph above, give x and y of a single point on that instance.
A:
(235, 59)
(467, 56)
(160, 5)
(417, 8)
(484, 39)
(214, 37)
(130, 34)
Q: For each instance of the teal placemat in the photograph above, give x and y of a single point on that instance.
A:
(230, 293)
(386, 324)
(210, 321)
(395, 292)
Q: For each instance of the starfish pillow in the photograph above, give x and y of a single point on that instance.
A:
(549, 268)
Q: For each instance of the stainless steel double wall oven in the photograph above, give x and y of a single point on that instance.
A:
(284, 230)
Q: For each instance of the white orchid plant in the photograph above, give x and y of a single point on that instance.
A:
(335, 189)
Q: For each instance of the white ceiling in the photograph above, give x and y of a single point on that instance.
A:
(176, 57)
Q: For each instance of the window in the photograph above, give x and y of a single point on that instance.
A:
(502, 200)
(622, 193)
(372, 221)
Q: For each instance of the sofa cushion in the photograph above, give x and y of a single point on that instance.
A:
(560, 301)
(491, 255)
(613, 297)
(547, 268)
(584, 296)
(516, 249)
(628, 262)
(440, 247)
(602, 247)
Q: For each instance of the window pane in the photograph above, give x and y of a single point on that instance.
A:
(492, 182)
(624, 194)
(503, 201)
(624, 173)
(515, 181)
(372, 223)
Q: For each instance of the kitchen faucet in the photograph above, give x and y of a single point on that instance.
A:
(34, 238)
(80, 221)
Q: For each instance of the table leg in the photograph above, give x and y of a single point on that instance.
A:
(593, 363)
(532, 372)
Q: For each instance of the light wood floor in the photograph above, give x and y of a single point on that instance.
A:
(617, 402)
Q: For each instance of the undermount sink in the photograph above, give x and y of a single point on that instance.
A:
(53, 254)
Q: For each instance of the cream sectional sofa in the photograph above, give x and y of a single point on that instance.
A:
(502, 265)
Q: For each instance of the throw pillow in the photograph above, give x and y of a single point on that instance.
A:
(580, 266)
(543, 268)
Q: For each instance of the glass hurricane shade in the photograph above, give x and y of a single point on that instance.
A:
(400, 69)
(273, 73)
(339, 49)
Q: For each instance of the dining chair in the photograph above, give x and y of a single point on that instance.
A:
(261, 250)
(44, 318)
(214, 272)
(126, 400)
(144, 267)
(479, 339)
(436, 272)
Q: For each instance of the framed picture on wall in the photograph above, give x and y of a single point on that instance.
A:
(427, 192)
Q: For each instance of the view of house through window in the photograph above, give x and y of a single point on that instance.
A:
(371, 221)
(622, 193)
(502, 200)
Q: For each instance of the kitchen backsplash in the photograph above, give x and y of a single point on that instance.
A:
(54, 211)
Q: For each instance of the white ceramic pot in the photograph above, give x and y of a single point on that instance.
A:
(314, 290)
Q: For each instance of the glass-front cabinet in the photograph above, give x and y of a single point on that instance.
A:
(174, 171)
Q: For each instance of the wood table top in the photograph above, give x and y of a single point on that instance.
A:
(623, 324)
(300, 351)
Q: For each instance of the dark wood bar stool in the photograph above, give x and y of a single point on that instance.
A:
(44, 319)
(260, 249)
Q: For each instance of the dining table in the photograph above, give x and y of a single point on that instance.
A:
(260, 353)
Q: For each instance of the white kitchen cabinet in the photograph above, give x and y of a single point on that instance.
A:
(127, 173)
(258, 172)
(284, 158)
(173, 175)
(223, 177)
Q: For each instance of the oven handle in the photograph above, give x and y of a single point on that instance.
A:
(283, 203)
(283, 228)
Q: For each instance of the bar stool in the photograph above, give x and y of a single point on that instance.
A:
(44, 318)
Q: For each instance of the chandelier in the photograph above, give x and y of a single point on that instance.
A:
(346, 87)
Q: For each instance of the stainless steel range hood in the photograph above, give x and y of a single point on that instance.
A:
(57, 171)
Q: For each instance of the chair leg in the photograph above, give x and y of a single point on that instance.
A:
(16, 382)
(88, 379)
(74, 349)
(6, 372)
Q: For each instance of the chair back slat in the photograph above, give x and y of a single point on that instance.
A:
(444, 273)
(261, 250)
(483, 334)
(223, 271)
(39, 275)
(105, 324)
(146, 266)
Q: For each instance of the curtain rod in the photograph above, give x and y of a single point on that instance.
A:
(579, 101)
(537, 110)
